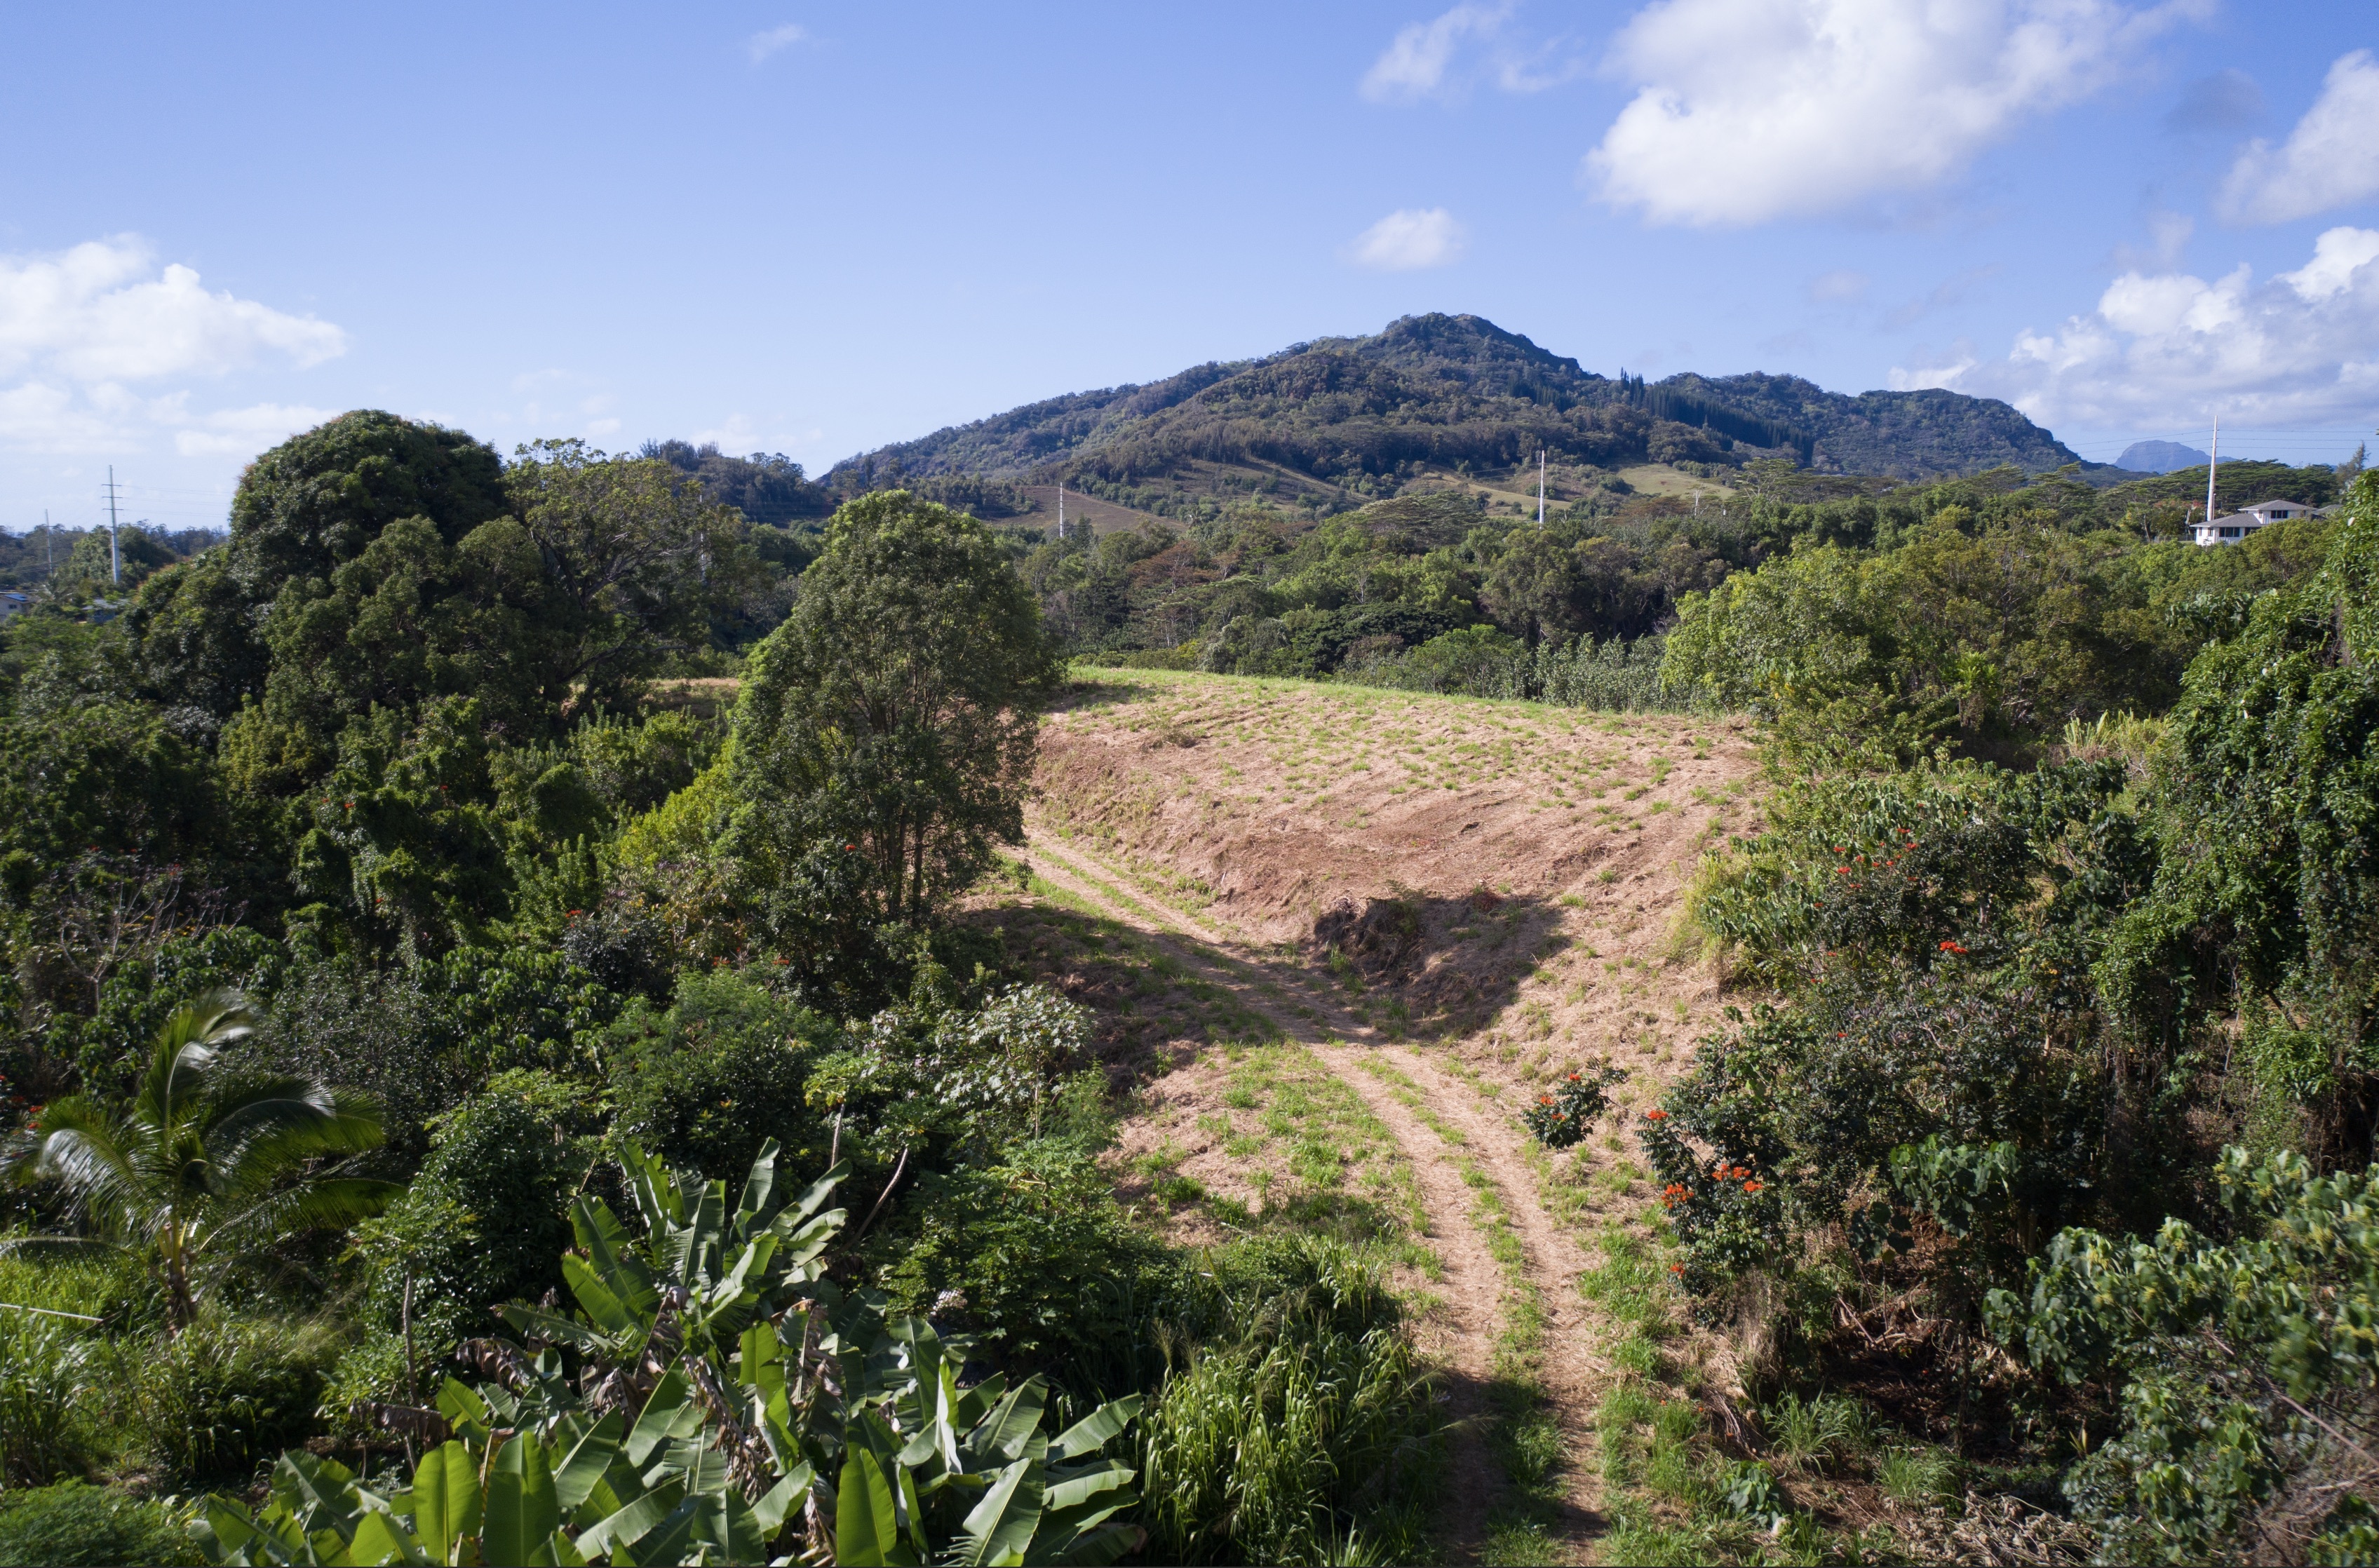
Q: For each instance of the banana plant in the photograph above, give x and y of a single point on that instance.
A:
(721, 1378)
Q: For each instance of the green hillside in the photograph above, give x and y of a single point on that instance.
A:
(1436, 394)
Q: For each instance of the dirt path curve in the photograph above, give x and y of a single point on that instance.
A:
(1465, 1324)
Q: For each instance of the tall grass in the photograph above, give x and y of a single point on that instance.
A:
(46, 1372)
(1302, 1431)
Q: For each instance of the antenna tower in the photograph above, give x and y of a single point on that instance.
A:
(1061, 512)
(115, 557)
(1540, 487)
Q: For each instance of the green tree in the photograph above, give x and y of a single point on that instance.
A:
(317, 500)
(202, 1170)
(637, 561)
(886, 732)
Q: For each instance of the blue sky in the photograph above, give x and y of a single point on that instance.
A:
(815, 228)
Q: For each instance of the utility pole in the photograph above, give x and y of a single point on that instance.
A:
(1540, 487)
(2213, 460)
(114, 556)
(1061, 512)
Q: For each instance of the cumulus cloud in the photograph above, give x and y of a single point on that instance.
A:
(102, 311)
(760, 45)
(1409, 240)
(82, 330)
(1753, 110)
(2165, 349)
(2330, 160)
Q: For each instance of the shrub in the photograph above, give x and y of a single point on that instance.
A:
(72, 1523)
(1564, 1117)
(1034, 1255)
(224, 1395)
(483, 1222)
(705, 1080)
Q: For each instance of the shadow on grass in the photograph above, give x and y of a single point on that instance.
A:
(1446, 963)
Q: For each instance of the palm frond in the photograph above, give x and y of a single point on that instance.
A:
(339, 1200)
(86, 1152)
(16, 1246)
(267, 1138)
(187, 1048)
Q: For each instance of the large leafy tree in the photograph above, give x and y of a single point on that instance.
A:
(204, 1169)
(635, 560)
(886, 733)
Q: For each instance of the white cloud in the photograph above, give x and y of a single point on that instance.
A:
(1414, 65)
(1468, 44)
(1409, 240)
(1753, 110)
(243, 432)
(2165, 350)
(2331, 160)
(102, 311)
(81, 328)
(760, 45)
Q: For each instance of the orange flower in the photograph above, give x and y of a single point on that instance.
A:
(1676, 1268)
(1655, 1114)
(1750, 1186)
(1544, 1099)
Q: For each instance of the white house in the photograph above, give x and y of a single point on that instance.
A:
(2234, 526)
(13, 603)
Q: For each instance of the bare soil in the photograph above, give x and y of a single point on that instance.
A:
(1448, 903)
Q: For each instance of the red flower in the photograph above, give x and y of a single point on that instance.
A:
(1952, 947)
(1676, 1268)
(1750, 1186)
(1573, 1078)
(1544, 1099)
(1655, 1114)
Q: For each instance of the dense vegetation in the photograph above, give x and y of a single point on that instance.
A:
(400, 933)
(2055, 1138)
(1457, 392)
(470, 1091)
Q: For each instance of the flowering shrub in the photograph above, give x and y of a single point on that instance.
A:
(1562, 1117)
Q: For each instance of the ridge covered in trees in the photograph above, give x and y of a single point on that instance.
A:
(1458, 391)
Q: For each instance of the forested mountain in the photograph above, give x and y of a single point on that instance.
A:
(1458, 393)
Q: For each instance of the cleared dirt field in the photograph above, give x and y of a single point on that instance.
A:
(1337, 940)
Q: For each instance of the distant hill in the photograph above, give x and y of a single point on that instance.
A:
(1447, 394)
(2160, 457)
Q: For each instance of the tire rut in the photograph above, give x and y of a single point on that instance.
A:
(1465, 1323)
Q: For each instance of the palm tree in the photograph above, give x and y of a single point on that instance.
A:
(203, 1168)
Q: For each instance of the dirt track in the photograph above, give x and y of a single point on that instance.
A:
(1158, 812)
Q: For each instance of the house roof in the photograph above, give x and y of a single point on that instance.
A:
(2283, 501)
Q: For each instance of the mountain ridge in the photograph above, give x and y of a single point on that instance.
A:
(1447, 391)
